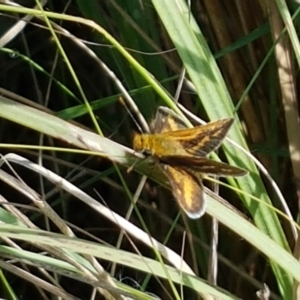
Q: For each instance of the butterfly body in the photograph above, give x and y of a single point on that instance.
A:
(157, 145)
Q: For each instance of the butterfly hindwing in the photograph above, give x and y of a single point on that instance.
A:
(187, 189)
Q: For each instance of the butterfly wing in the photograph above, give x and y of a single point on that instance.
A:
(201, 140)
(197, 141)
(166, 120)
(203, 165)
(187, 188)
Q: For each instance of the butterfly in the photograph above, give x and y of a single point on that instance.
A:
(182, 155)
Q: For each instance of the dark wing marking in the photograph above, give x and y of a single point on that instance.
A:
(187, 188)
(203, 165)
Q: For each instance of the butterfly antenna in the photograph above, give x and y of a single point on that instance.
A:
(136, 124)
(121, 100)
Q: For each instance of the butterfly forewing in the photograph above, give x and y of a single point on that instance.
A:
(203, 165)
(187, 189)
(203, 139)
(166, 121)
(197, 141)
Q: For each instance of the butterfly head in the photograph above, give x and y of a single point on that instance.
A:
(139, 142)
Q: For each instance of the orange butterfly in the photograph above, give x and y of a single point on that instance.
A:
(182, 155)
